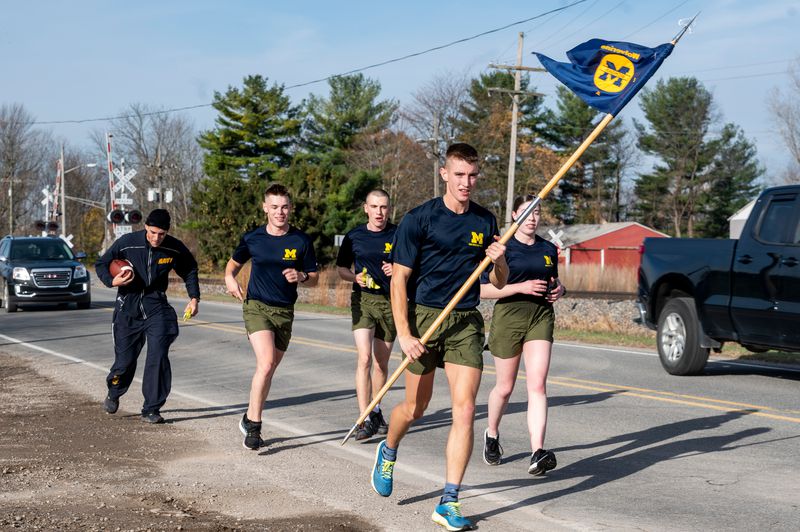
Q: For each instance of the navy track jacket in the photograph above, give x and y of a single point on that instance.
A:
(146, 294)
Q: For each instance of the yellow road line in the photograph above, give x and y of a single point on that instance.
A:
(567, 382)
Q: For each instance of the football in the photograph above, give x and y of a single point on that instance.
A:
(118, 266)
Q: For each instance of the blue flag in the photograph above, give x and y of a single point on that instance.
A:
(605, 74)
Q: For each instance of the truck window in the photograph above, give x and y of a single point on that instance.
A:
(780, 222)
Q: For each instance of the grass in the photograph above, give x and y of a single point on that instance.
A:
(332, 296)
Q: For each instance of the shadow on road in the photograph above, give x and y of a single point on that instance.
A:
(441, 418)
(763, 369)
(635, 452)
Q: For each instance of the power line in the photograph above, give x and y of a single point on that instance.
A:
(746, 76)
(353, 71)
(540, 44)
(565, 37)
(655, 20)
(740, 66)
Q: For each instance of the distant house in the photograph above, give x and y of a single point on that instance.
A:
(737, 220)
(608, 244)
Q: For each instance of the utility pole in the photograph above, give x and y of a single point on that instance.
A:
(436, 162)
(515, 94)
(158, 176)
(63, 199)
(10, 205)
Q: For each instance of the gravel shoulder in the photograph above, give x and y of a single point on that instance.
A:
(67, 465)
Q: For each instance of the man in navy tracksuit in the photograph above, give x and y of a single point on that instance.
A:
(142, 311)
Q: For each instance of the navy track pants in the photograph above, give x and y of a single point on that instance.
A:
(158, 330)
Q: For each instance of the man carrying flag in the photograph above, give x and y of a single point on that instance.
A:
(606, 75)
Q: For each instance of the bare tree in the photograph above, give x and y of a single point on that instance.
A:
(402, 163)
(86, 191)
(25, 154)
(163, 150)
(785, 109)
(431, 116)
(625, 157)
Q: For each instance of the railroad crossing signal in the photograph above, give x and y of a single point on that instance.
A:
(124, 182)
(120, 230)
(555, 238)
(47, 201)
(118, 216)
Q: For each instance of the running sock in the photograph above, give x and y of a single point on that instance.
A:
(377, 408)
(389, 454)
(450, 493)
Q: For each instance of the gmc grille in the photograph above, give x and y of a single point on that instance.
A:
(51, 278)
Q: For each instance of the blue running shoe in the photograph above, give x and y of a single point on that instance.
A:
(382, 472)
(449, 516)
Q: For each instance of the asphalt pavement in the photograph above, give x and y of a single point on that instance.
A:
(636, 447)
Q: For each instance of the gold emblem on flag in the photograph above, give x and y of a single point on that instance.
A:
(614, 73)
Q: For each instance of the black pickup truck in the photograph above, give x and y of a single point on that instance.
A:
(699, 293)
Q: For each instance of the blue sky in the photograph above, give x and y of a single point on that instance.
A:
(89, 59)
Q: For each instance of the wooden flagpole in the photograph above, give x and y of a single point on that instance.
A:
(485, 262)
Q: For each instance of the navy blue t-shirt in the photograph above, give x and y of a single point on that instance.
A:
(271, 255)
(526, 262)
(368, 250)
(443, 248)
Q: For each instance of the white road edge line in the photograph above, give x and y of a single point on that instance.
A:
(367, 455)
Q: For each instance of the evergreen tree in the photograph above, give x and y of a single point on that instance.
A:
(328, 193)
(679, 112)
(256, 130)
(224, 207)
(351, 109)
(733, 174)
(256, 133)
(587, 193)
(486, 124)
(327, 197)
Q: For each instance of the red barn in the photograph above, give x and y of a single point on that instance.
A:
(608, 244)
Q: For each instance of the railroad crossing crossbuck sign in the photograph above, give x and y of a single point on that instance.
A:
(47, 201)
(124, 182)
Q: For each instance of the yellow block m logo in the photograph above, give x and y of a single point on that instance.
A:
(387, 247)
(289, 254)
(477, 239)
(548, 261)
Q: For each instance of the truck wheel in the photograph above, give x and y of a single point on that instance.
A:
(678, 338)
(82, 305)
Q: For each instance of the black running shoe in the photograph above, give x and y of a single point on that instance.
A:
(382, 426)
(492, 451)
(152, 417)
(252, 433)
(111, 405)
(541, 462)
(367, 429)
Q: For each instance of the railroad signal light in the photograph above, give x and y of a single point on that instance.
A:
(116, 216)
(133, 217)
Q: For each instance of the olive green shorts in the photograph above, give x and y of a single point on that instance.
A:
(517, 322)
(458, 340)
(258, 316)
(373, 311)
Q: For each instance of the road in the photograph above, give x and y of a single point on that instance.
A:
(636, 448)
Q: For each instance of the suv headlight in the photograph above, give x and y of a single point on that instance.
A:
(21, 274)
(80, 271)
